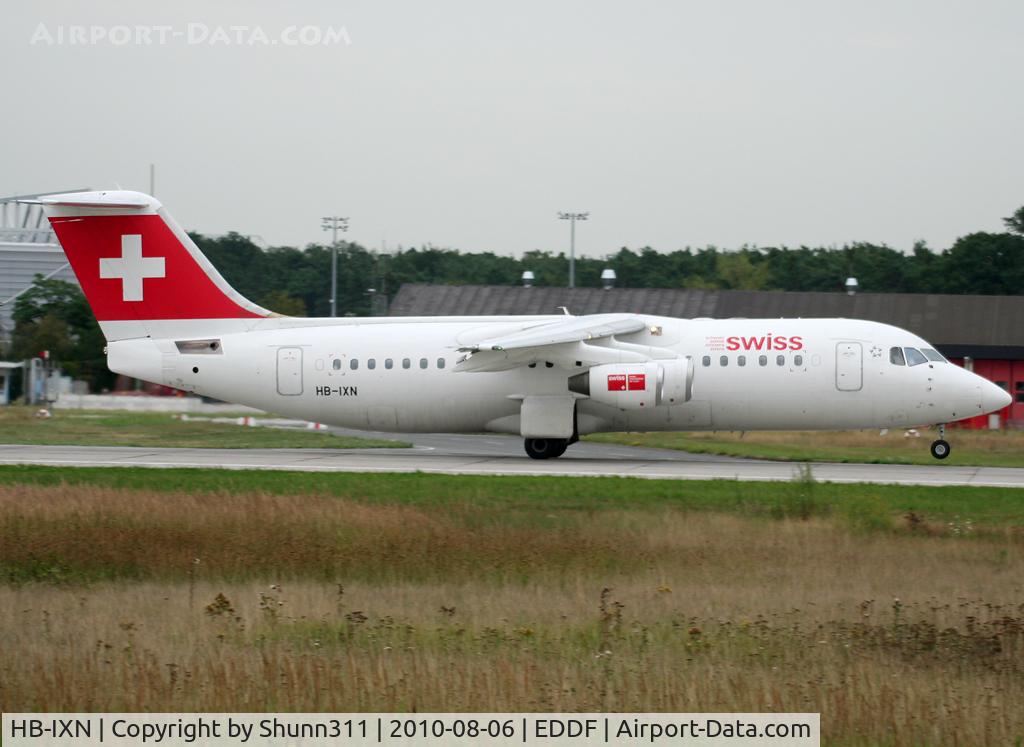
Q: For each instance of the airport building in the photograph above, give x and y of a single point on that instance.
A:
(983, 333)
(27, 248)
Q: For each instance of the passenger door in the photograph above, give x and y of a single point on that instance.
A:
(849, 366)
(289, 371)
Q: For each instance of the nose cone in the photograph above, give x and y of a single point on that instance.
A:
(994, 397)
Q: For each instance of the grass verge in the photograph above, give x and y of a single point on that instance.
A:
(18, 425)
(971, 448)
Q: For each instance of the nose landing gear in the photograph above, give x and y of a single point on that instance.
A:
(940, 448)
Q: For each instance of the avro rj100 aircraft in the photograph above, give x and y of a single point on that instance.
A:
(170, 318)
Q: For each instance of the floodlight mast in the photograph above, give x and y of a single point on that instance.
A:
(572, 218)
(334, 224)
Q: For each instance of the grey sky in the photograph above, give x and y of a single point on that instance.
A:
(470, 124)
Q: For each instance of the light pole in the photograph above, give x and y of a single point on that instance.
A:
(334, 224)
(572, 218)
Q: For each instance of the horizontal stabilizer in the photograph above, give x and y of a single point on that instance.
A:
(111, 199)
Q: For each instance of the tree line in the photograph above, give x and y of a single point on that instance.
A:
(297, 281)
(53, 315)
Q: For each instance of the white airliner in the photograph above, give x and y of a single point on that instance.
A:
(170, 318)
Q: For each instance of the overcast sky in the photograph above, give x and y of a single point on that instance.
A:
(470, 124)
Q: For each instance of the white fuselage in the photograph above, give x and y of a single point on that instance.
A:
(395, 374)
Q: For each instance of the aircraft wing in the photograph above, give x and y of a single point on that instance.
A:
(570, 329)
(563, 341)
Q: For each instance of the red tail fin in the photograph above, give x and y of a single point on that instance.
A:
(135, 263)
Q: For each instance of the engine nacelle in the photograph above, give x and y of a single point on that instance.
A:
(631, 386)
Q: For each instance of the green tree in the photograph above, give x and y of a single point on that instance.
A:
(54, 315)
(1015, 222)
(281, 303)
(48, 333)
(739, 271)
(985, 263)
(239, 260)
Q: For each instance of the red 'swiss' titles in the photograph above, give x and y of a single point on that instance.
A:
(765, 342)
(627, 382)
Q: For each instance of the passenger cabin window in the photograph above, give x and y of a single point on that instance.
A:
(406, 363)
(423, 362)
(723, 361)
(336, 364)
(706, 360)
(933, 355)
(388, 363)
(762, 360)
(353, 363)
(896, 357)
(914, 357)
(371, 364)
(440, 362)
(780, 360)
(741, 361)
(798, 360)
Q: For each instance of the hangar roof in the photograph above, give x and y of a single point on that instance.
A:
(979, 326)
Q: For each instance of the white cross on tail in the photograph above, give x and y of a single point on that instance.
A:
(132, 268)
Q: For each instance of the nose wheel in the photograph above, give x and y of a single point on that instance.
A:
(940, 448)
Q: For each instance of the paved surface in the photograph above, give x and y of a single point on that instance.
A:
(498, 445)
(500, 455)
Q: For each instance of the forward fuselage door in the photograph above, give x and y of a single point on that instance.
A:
(289, 371)
(849, 366)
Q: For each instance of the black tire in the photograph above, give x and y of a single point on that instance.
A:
(545, 448)
(940, 449)
(564, 444)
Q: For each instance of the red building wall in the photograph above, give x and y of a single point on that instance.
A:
(1010, 376)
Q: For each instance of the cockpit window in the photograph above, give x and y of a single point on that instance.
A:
(933, 355)
(914, 357)
(896, 357)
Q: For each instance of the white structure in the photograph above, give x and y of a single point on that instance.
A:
(27, 248)
(6, 369)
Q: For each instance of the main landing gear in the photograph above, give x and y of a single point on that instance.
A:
(546, 448)
(941, 448)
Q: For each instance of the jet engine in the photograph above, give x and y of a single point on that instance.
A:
(631, 386)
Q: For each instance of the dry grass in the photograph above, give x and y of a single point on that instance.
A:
(71, 533)
(895, 637)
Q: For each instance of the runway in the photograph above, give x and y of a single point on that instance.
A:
(502, 455)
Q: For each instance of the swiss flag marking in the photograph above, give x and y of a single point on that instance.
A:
(616, 382)
(132, 268)
(637, 382)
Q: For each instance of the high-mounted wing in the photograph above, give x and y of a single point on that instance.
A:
(564, 342)
(570, 329)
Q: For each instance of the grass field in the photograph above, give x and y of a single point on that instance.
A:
(896, 612)
(976, 448)
(19, 425)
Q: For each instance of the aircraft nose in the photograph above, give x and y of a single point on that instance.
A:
(994, 397)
